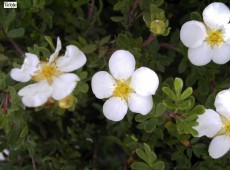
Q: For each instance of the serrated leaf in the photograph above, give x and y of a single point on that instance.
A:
(15, 33)
(140, 166)
(186, 93)
(169, 93)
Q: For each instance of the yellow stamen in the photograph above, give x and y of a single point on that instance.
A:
(122, 90)
(66, 102)
(215, 38)
(47, 72)
(226, 127)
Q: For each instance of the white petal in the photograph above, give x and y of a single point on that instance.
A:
(219, 146)
(103, 84)
(226, 33)
(28, 67)
(192, 34)
(140, 104)
(221, 55)
(144, 81)
(74, 59)
(222, 103)
(201, 55)
(35, 95)
(64, 85)
(122, 64)
(115, 109)
(19, 75)
(209, 123)
(56, 52)
(216, 15)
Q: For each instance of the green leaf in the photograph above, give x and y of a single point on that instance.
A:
(169, 104)
(142, 155)
(160, 109)
(80, 3)
(24, 132)
(159, 165)
(151, 155)
(117, 19)
(184, 105)
(50, 42)
(186, 93)
(169, 93)
(178, 85)
(199, 109)
(15, 33)
(150, 125)
(140, 166)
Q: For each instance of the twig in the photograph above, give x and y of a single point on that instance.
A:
(175, 115)
(34, 164)
(16, 46)
(169, 46)
(149, 40)
(134, 8)
(90, 11)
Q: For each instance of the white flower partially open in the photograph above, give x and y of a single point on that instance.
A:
(52, 77)
(125, 87)
(209, 40)
(217, 125)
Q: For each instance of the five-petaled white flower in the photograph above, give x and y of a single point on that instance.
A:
(217, 125)
(52, 77)
(125, 87)
(209, 40)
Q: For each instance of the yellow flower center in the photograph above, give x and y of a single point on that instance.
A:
(215, 38)
(122, 90)
(47, 72)
(66, 102)
(226, 127)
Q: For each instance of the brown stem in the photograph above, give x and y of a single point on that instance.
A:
(175, 115)
(134, 8)
(90, 11)
(34, 164)
(170, 46)
(149, 40)
(16, 46)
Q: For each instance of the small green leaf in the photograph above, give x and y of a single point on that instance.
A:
(186, 93)
(169, 104)
(160, 109)
(24, 132)
(151, 155)
(159, 165)
(50, 42)
(140, 166)
(169, 93)
(142, 155)
(150, 125)
(178, 85)
(184, 105)
(117, 19)
(15, 33)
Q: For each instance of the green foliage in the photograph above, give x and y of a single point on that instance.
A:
(80, 137)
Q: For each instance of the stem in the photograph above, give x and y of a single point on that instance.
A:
(16, 46)
(149, 40)
(34, 164)
(134, 8)
(90, 11)
(169, 46)
(175, 115)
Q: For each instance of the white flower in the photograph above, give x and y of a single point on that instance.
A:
(125, 87)
(4, 152)
(52, 77)
(217, 125)
(209, 40)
